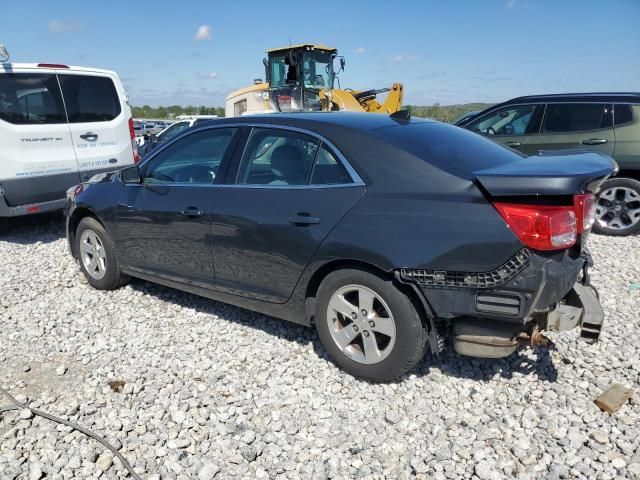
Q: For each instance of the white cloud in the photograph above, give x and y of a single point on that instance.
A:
(511, 3)
(401, 57)
(359, 50)
(57, 26)
(203, 33)
(208, 76)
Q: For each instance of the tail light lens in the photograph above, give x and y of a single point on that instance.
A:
(585, 205)
(541, 227)
(134, 146)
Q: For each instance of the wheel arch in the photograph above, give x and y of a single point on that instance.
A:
(421, 304)
(74, 220)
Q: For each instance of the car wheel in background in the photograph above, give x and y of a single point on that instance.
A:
(96, 253)
(369, 327)
(618, 207)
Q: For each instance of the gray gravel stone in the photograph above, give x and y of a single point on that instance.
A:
(190, 388)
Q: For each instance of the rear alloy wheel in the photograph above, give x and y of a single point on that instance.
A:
(618, 207)
(97, 255)
(369, 327)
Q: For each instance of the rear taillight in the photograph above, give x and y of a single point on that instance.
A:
(134, 146)
(585, 205)
(541, 227)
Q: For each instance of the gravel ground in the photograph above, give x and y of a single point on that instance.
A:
(200, 389)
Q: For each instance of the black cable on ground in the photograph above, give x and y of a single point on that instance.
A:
(75, 426)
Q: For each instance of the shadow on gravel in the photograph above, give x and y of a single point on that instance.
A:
(44, 227)
(271, 325)
(449, 363)
(484, 369)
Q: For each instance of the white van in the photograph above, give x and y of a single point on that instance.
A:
(59, 126)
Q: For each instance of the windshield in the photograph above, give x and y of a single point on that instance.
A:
(317, 69)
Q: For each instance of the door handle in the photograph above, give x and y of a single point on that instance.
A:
(594, 141)
(89, 136)
(192, 212)
(303, 218)
(513, 144)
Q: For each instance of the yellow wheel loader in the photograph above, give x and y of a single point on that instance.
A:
(301, 78)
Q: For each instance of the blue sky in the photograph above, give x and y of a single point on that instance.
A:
(195, 52)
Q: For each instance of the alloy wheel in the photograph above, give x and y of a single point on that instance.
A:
(618, 208)
(92, 253)
(361, 324)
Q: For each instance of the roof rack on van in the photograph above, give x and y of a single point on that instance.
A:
(4, 53)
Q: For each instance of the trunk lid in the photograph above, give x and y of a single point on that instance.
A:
(548, 173)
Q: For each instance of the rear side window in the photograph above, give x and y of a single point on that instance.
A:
(30, 99)
(623, 114)
(90, 99)
(327, 170)
(576, 117)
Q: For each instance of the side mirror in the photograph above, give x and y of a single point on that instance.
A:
(131, 175)
(343, 62)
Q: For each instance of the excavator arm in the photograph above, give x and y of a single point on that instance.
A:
(363, 101)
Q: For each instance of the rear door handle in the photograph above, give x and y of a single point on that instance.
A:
(192, 212)
(594, 141)
(302, 219)
(89, 136)
(513, 144)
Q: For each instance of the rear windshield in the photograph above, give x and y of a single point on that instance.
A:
(30, 99)
(89, 99)
(449, 148)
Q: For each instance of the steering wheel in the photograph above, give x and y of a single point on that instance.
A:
(196, 174)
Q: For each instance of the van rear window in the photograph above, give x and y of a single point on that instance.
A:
(30, 99)
(90, 99)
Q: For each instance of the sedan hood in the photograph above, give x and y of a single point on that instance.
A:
(548, 173)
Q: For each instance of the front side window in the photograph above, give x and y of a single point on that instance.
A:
(90, 99)
(277, 157)
(173, 131)
(31, 99)
(194, 159)
(317, 69)
(576, 117)
(513, 120)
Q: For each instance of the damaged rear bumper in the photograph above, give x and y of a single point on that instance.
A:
(582, 308)
(492, 312)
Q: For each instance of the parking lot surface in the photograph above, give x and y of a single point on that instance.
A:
(192, 388)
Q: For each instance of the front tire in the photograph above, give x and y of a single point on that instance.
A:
(368, 326)
(618, 207)
(97, 256)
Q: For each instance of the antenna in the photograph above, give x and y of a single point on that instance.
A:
(4, 53)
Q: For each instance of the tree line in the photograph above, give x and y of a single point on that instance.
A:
(443, 113)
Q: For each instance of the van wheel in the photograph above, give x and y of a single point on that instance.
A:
(97, 255)
(369, 327)
(618, 207)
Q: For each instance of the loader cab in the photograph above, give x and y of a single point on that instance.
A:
(297, 74)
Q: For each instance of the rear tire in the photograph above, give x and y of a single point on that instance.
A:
(97, 256)
(368, 326)
(618, 207)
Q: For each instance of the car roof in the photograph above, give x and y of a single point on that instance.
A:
(626, 97)
(353, 120)
(60, 68)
